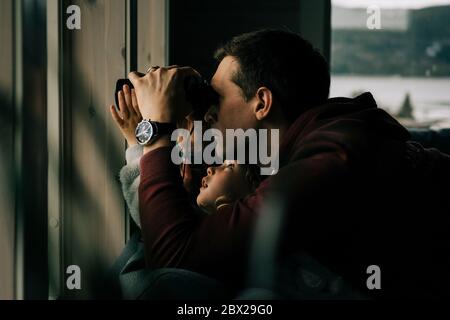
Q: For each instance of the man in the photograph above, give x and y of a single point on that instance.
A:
(356, 192)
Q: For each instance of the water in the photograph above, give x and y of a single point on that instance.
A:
(430, 97)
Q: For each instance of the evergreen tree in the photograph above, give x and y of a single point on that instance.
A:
(406, 110)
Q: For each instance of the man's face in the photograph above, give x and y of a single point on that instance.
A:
(233, 111)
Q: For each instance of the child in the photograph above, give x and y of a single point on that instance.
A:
(221, 186)
(225, 184)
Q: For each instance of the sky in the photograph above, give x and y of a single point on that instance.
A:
(410, 4)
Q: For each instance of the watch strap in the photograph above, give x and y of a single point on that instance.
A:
(165, 128)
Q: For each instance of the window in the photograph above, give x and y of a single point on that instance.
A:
(404, 60)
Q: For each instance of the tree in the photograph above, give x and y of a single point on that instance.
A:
(406, 110)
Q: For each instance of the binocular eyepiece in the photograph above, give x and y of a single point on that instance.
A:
(199, 94)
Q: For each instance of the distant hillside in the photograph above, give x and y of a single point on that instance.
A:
(416, 45)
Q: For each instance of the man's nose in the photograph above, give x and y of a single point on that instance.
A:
(211, 115)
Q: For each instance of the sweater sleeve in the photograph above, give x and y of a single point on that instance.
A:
(129, 179)
(134, 153)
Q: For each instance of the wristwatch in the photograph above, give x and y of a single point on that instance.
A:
(148, 131)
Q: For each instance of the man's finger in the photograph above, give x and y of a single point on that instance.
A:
(127, 94)
(116, 116)
(134, 77)
(151, 69)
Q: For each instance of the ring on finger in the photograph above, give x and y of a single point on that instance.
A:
(152, 69)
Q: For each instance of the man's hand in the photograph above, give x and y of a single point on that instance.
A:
(128, 116)
(161, 94)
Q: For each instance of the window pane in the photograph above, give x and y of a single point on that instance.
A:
(399, 51)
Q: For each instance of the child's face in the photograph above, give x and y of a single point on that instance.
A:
(227, 180)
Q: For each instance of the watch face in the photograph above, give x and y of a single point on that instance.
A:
(144, 132)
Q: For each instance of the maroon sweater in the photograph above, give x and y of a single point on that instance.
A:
(348, 188)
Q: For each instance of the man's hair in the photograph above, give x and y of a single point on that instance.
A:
(295, 72)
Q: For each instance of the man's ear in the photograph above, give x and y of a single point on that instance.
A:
(263, 104)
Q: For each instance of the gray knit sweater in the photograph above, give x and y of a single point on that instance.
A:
(130, 178)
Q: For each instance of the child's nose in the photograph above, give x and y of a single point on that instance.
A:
(210, 171)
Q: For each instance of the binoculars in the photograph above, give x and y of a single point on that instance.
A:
(198, 93)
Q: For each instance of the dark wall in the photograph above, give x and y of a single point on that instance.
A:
(33, 144)
(197, 27)
(7, 194)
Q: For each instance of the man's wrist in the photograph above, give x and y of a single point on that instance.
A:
(162, 141)
(164, 118)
